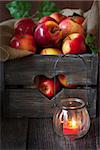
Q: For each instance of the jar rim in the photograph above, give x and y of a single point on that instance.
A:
(69, 103)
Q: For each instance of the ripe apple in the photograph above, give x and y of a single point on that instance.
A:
(74, 44)
(48, 34)
(51, 51)
(57, 16)
(23, 42)
(78, 19)
(63, 78)
(24, 26)
(46, 18)
(47, 86)
(68, 26)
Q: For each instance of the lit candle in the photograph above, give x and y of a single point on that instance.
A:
(70, 127)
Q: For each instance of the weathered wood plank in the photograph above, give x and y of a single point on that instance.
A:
(14, 134)
(97, 119)
(1, 93)
(1, 85)
(21, 72)
(31, 103)
(97, 131)
(43, 137)
(1, 77)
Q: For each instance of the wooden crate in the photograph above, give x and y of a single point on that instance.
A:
(23, 99)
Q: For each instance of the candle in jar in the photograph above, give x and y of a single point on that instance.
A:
(70, 127)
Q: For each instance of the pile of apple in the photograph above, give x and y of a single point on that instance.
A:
(51, 35)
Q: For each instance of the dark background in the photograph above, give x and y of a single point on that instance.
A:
(85, 5)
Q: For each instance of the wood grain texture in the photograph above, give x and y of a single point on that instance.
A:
(97, 131)
(1, 94)
(1, 85)
(31, 103)
(97, 125)
(97, 120)
(39, 135)
(80, 69)
(43, 137)
(14, 134)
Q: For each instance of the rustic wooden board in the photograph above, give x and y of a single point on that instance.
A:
(1, 84)
(14, 134)
(22, 71)
(97, 131)
(97, 119)
(43, 137)
(1, 94)
(31, 103)
(38, 134)
(81, 70)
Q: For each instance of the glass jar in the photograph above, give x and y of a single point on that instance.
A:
(71, 118)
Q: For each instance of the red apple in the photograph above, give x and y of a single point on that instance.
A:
(51, 51)
(77, 18)
(23, 42)
(46, 18)
(63, 78)
(68, 26)
(74, 44)
(24, 26)
(57, 16)
(48, 34)
(47, 86)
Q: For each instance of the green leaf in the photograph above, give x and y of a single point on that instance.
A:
(46, 8)
(89, 39)
(90, 42)
(19, 9)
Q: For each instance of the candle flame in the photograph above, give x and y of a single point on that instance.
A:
(72, 123)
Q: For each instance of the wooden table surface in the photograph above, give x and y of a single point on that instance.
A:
(38, 134)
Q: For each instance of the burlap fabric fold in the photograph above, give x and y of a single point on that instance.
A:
(6, 33)
(7, 30)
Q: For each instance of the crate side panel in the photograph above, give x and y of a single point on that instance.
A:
(22, 71)
(31, 103)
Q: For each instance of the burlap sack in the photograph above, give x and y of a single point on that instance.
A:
(6, 52)
(6, 31)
